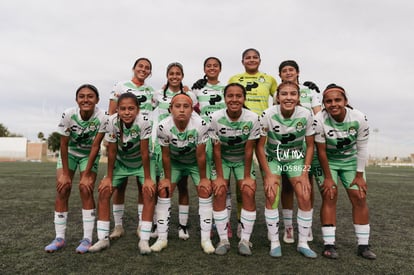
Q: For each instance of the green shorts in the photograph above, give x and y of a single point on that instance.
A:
(179, 170)
(122, 172)
(236, 167)
(82, 162)
(345, 174)
(156, 158)
(292, 168)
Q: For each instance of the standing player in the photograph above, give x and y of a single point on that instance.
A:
(209, 93)
(161, 100)
(182, 137)
(260, 88)
(142, 69)
(128, 136)
(78, 128)
(342, 141)
(309, 98)
(286, 127)
(234, 134)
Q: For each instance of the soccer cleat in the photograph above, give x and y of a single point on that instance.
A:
(365, 252)
(144, 247)
(244, 248)
(99, 245)
(117, 233)
(288, 236)
(307, 252)
(83, 246)
(330, 252)
(222, 247)
(276, 252)
(55, 245)
(159, 245)
(183, 232)
(207, 246)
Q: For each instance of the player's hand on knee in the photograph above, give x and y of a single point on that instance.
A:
(63, 182)
(271, 186)
(204, 187)
(329, 188)
(219, 186)
(88, 183)
(248, 183)
(105, 185)
(149, 188)
(164, 185)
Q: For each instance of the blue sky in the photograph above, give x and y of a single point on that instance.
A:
(49, 48)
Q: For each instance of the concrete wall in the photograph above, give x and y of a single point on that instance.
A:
(13, 148)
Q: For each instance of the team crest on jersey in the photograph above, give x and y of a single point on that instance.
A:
(134, 133)
(245, 130)
(352, 131)
(303, 94)
(191, 138)
(261, 79)
(299, 127)
(92, 126)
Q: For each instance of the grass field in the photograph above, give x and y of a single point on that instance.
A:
(26, 226)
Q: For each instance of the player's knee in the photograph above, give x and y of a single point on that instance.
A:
(163, 193)
(64, 192)
(204, 192)
(105, 193)
(85, 190)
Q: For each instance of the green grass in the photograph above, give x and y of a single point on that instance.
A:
(26, 226)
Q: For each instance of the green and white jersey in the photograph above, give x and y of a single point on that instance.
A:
(183, 145)
(286, 136)
(210, 99)
(233, 135)
(342, 138)
(81, 132)
(144, 94)
(162, 102)
(129, 139)
(308, 98)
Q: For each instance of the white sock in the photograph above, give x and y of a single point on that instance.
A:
(287, 217)
(118, 212)
(60, 224)
(247, 219)
(272, 223)
(205, 210)
(304, 219)
(221, 219)
(362, 233)
(145, 230)
(102, 228)
(163, 217)
(140, 207)
(88, 218)
(183, 211)
(328, 235)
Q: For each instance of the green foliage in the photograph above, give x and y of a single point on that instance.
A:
(26, 227)
(4, 132)
(53, 141)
